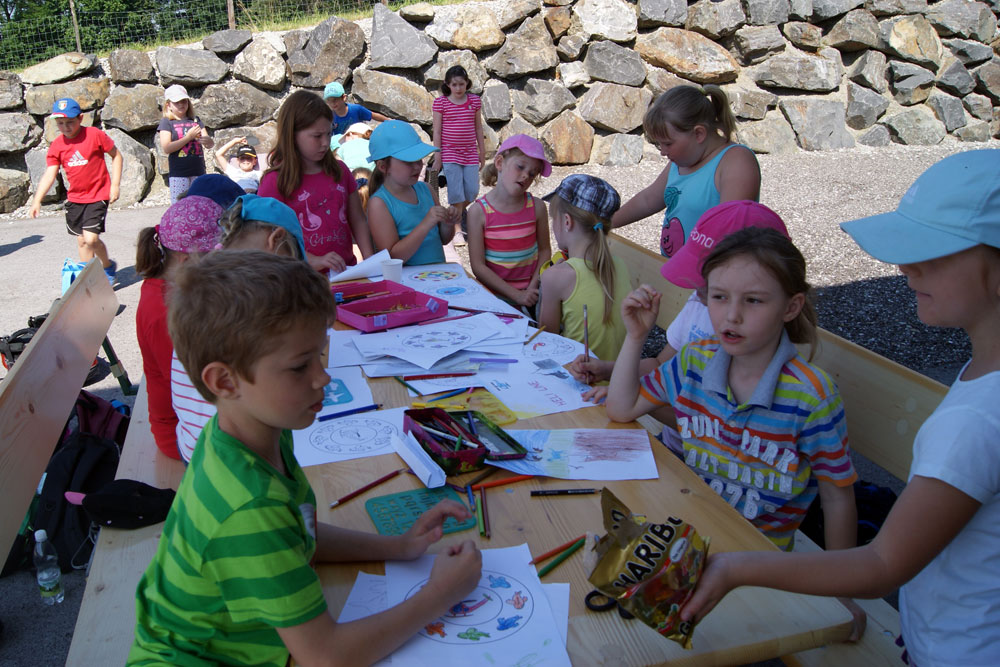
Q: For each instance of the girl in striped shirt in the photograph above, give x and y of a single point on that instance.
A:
(458, 132)
(508, 229)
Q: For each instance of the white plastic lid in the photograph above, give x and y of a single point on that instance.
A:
(41, 535)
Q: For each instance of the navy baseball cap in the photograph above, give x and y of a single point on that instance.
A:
(66, 107)
(588, 193)
(219, 188)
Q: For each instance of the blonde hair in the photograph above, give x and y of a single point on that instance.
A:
(597, 257)
(686, 106)
(235, 228)
(300, 110)
(170, 115)
(489, 173)
(363, 190)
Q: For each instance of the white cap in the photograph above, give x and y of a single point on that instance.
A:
(176, 93)
(359, 128)
(41, 535)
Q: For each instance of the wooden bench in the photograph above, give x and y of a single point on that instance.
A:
(885, 404)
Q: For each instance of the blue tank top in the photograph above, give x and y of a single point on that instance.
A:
(687, 197)
(407, 216)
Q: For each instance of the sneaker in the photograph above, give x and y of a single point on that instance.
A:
(110, 271)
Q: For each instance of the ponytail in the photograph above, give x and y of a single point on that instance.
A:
(378, 176)
(489, 174)
(597, 257)
(686, 106)
(150, 255)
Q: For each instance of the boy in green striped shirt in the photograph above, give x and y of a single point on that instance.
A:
(232, 580)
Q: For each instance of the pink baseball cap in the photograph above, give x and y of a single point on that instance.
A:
(530, 147)
(715, 224)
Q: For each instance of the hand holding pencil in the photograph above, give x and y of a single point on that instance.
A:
(429, 527)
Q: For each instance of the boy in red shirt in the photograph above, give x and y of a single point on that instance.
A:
(80, 151)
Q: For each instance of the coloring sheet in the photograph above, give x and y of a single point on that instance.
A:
(481, 379)
(426, 345)
(424, 274)
(350, 437)
(390, 366)
(590, 453)
(505, 620)
(342, 350)
(450, 282)
(552, 346)
(368, 268)
(346, 390)
(542, 387)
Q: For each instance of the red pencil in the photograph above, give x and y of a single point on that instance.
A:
(486, 517)
(434, 376)
(491, 312)
(364, 488)
(501, 482)
(445, 319)
(553, 552)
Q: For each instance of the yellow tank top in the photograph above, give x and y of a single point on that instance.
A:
(605, 338)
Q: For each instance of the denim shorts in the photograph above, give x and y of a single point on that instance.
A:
(463, 181)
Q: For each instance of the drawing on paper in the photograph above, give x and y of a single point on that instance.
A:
(436, 340)
(464, 289)
(547, 347)
(484, 616)
(336, 393)
(353, 435)
(434, 276)
(606, 445)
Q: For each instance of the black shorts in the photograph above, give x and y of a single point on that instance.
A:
(82, 218)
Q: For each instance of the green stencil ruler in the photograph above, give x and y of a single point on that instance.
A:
(395, 513)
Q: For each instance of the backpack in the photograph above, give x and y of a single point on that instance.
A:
(13, 346)
(873, 502)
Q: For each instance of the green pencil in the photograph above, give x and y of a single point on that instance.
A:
(407, 385)
(561, 557)
(479, 519)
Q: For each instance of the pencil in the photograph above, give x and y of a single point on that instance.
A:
(491, 360)
(563, 492)
(448, 395)
(486, 516)
(552, 552)
(586, 335)
(344, 413)
(535, 335)
(445, 319)
(479, 518)
(501, 482)
(370, 485)
(491, 312)
(472, 498)
(483, 475)
(561, 557)
(408, 386)
(435, 376)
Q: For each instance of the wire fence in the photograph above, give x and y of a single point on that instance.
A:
(28, 38)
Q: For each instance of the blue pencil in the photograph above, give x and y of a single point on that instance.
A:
(472, 499)
(491, 360)
(448, 395)
(334, 415)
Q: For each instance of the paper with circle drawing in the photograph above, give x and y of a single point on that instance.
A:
(548, 345)
(368, 268)
(420, 461)
(428, 344)
(346, 438)
(346, 390)
(588, 453)
(505, 620)
(451, 283)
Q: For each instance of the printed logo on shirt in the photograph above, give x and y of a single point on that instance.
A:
(77, 160)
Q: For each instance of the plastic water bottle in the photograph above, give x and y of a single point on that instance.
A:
(47, 565)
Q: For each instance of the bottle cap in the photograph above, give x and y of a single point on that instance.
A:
(41, 535)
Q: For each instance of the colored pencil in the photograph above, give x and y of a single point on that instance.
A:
(491, 360)
(410, 387)
(483, 475)
(501, 482)
(448, 395)
(435, 376)
(472, 423)
(472, 498)
(491, 312)
(479, 518)
(443, 406)
(563, 492)
(445, 319)
(552, 552)
(364, 488)
(486, 515)
(586, 335)
(344, 413)
(535, 335)
(561, 557)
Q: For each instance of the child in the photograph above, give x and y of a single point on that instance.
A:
(251, 223)
(401, 210)
(189, 226)
(80, 151)
(306, 176)
(458, 133)
(581, 209)
(246, 172)
(352, 147)
(508, 230)
(231, 580)
(344, 114)
(183, 138)
(692, 126)
(941, 541)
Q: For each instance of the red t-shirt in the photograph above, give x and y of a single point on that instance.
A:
(82, 159)
(157, 350)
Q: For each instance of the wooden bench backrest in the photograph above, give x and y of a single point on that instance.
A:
(36, 397)
(886, 403)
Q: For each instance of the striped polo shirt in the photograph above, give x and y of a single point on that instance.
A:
(766, 456)
(233, 562)
(458, 129)
(510, 242)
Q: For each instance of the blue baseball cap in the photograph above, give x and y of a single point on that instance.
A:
(588, 193)
(333, 89)
(217, 187)
(951, 207)
(273, 212)
(65, 108)
(397, 139)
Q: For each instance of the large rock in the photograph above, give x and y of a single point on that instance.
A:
(11, 90)
(968, 51)
(662, 12)
(617, 150)
(979, 106)
(137, 178)
(35, 161)
(828, 9)
(328, 52)
(133, 108)
(421, 12)
(130, 66)
(260, 64)
(527, 51)
(819, 124)
(988, 79)
(189, 67)
(688, 54)
(911, 84)
(772, 134)
(606, 19)
(393, 96)
(800, 10)
(266, 136)
(715, 18)
(751, 104)
(558, 20)
(948, 110)
(226, 42)
(953, 77)
(659, 80)
(864, 106)
(89, 94)
(60, 68)
(755, 43)
(963, 18)
(514, 12)
(573, 74)
(877, 136)
(465, 27)
(568, 138)
(803, 35)
(856, 31)
(18, 132)
(767, 12)
(607, 61)
(496, 102)
(916, 126)
(571, 46)
(976, 130)
(870, 70)
(50, 130)
(614, 107)
(14, 192)
(397, 44)
(542, 100)
(912, 38)
(518, 125)
(434, 75)
(800, 71)
(235, 103)
(894, 7)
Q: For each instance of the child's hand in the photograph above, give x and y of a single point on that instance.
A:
(711, 588)
(330, 261)
(437, 215)
(590, 370)
(595, 395)
(456, 571)
(193, 133)
(36, 207)
(436, 162)
(114, 194)
(639, 311)
(859, 616)
(527, 297)
(429, 527)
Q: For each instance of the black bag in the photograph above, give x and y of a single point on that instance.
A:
(13, 346)
(873, 502)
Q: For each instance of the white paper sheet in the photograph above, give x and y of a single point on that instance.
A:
(428, 344)
(590, 453)
(505, 620)
(364, 269)
(342, 350)
(420, 462)
(548, 345)
(451, 283)
(530, 391)
(347, 390)
(390, 366)
(422, 274)
(346, 438)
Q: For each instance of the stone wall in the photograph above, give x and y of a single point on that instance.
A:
(577, 74)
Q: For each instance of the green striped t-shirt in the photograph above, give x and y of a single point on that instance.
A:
(233, 562)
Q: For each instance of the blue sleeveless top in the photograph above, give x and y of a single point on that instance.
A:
(407, 216)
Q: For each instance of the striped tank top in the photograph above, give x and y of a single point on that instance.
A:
(510, 242)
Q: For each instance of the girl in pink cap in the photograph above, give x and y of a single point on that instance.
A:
(508, 228)
(189, 226)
